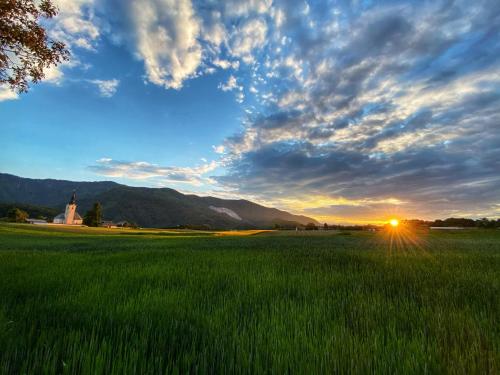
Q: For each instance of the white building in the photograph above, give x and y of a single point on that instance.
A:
(70, 216)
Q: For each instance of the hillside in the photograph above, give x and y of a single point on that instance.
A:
(148, 207)
(33, 211)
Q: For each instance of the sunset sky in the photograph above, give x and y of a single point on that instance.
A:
(346, 111)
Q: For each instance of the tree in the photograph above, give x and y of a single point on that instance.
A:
(325, 226)
(25, 48)
(93, 217)
(311, 226)
(16, 215)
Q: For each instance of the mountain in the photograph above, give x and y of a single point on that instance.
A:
(148, 207)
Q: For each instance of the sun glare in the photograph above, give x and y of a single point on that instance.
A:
(394, 222)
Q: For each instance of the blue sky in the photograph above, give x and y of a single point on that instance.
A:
(348, 111)
(59, 129)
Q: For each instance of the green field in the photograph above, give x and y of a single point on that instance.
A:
(152, 302)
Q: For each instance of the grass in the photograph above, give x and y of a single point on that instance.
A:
(113, 302)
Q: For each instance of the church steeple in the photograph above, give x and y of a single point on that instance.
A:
(70, 216)
(73, 198)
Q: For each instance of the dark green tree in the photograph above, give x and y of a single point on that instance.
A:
(16, 215)
(325, 226)
(311, 226)
(93, 217)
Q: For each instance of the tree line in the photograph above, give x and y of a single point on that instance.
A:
(449, 222)
(456, 222)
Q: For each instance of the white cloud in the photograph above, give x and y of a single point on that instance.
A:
(166, 33)
(230, 85)
(279, 16)
(209, 70)
(240, 97)
(219, 149)
(7, 94)
(54, 75)
(226, 64)
(214, 30)
(244, 8)
(143, 171)
(107, 88)
(248, 37)
(75, 23)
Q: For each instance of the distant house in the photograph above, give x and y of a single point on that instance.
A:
(36, 221)
(123, 224)
(69, 216)
(108, 224)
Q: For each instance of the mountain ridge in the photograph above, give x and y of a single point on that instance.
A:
(148, 207)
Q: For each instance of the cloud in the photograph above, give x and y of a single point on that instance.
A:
(54, 74)
(230, 85)
(242, 8)
(166, 33)
(213, 29)
(146, 171)
(396, 102)
(226, 64)
(176, 40)
(219, 149)
(107, 88)
(251, 35)
(76, 24)
(6, 93)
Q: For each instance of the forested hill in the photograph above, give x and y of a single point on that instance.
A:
(148, 207)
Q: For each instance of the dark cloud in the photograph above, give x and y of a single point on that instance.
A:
(459, 180)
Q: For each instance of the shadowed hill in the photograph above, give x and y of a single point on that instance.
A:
(148, 207)
(47, 192)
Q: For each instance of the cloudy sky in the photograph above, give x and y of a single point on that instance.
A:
(348, 111)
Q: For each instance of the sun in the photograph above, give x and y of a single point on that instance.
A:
(394, 222)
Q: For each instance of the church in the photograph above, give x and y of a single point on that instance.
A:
(70, 216)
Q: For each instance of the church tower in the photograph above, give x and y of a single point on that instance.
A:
(69, 214)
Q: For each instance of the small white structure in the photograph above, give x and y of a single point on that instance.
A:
(70, 216)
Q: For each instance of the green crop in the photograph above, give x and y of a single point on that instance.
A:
(96, 303)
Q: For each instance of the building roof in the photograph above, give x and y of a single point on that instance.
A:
(73, 198)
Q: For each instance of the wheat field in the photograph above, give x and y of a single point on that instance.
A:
(156, 302)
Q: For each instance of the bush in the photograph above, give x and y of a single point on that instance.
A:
(16, 215)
